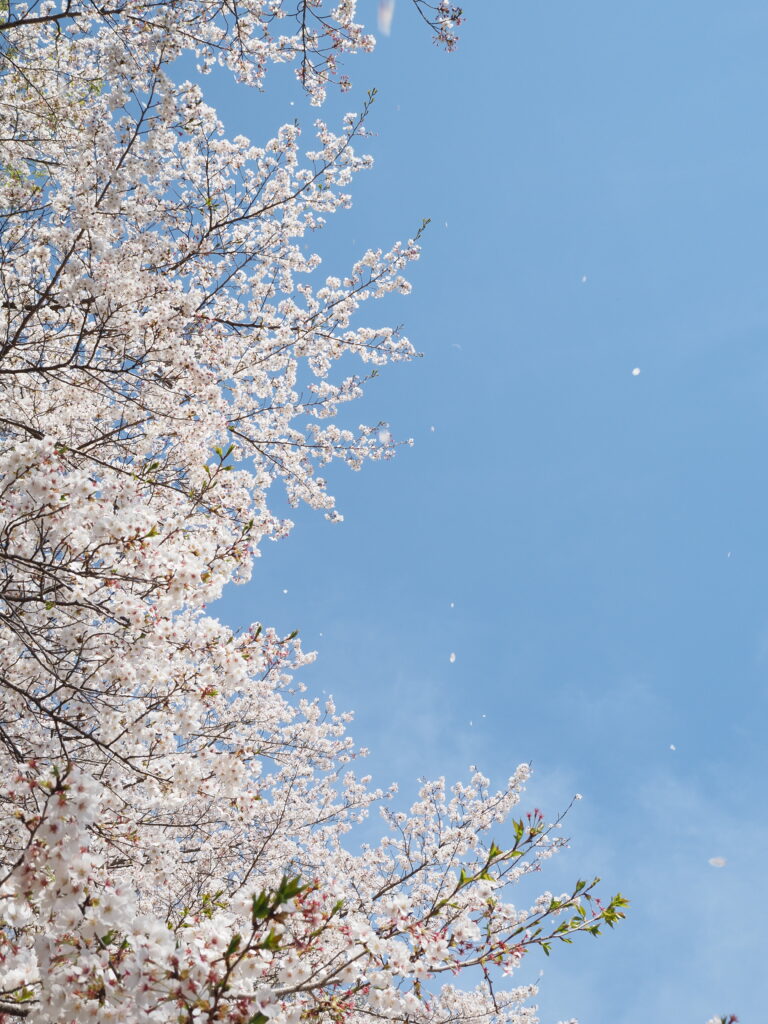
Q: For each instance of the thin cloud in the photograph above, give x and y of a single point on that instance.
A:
(386, 13)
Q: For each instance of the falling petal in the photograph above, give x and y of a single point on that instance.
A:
(584, 279)
(672, 746)
(636, 372)
(386, 13)
(717, 862)
(452, 658)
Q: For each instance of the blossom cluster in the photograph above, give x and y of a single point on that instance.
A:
(174, 807)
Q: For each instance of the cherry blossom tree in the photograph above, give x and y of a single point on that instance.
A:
(174, 808)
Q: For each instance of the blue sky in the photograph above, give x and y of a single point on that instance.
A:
(590, 543)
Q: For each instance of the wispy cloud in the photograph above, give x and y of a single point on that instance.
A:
(386, 13)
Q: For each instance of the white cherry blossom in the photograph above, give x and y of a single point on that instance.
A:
(175, 810)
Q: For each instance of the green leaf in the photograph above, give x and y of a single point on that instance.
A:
(24, 996)
(272, 941)
(289, 887)
(260, 907)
